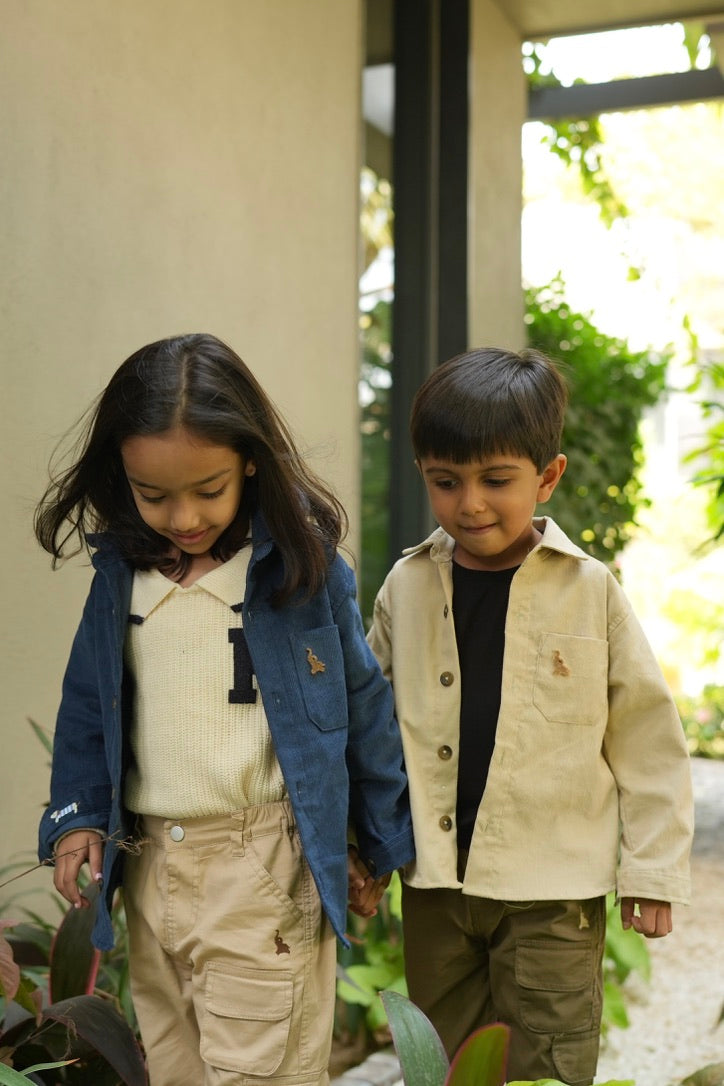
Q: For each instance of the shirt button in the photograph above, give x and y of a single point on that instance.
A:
(447, 678)
(177, 833)
(445, 753)
(446, 823)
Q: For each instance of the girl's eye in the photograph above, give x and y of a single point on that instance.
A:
(215, 494)
(150, 501)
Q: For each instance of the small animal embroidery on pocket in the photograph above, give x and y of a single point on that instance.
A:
(315, 664)
(560, 667)
(282, 947)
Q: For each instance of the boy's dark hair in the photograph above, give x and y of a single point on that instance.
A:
(487, 402)
(199, 383)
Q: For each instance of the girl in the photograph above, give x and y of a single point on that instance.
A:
(221, 705)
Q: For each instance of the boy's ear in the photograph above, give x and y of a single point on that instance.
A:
(551, 476)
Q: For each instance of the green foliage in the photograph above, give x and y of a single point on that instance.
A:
(76, 1030)
(709, 457)
(481, 1059)
(610, 386)
(702, 716)
(375, 385)
(624, 953)
(374, 962)
(577, 141)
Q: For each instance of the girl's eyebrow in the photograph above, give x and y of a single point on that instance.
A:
(199, 482)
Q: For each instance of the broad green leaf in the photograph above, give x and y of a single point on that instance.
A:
(419, 1049)
(614, 1006)
(711, 1075)
(9, 1077)
(481, 1059)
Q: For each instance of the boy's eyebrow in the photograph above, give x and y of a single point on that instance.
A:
(199, 482)
(435, 469)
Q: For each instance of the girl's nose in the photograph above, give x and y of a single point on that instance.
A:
(184, 516)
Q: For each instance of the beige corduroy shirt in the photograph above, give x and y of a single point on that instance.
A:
(589, 787)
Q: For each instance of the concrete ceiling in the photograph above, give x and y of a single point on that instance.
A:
(537, 19)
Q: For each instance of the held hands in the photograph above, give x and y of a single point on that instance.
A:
(73, 851)
(365, 892)
(652, 920)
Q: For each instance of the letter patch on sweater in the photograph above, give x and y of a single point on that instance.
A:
(243, 691)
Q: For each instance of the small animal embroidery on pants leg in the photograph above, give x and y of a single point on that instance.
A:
(282, 947)
(560, 667)
(582, 919)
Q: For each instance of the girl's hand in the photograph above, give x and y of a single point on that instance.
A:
(73, 851)
(365, 893)
(653, 919)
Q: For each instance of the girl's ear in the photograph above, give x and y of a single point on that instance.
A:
(551, 477)
(250, 468)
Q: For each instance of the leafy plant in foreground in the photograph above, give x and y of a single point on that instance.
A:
(73, 1029)
(481, 1059)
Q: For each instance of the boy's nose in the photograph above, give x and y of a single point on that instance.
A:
(472, 500)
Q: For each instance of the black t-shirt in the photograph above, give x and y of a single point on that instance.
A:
(480, 605)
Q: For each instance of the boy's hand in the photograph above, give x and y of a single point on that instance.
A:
(73, 851)
(365, 893)
(653, 919)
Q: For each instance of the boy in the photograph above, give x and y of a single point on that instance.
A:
(546, 761)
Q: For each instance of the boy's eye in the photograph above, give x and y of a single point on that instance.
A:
(445, 484)
(497, 482)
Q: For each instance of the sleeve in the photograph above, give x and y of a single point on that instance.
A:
(379, 800)
(645, 748)
(80, 785)
(379, 637)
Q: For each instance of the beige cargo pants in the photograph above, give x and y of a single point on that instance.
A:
(232, 960)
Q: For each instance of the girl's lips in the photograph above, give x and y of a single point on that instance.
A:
(193, 537)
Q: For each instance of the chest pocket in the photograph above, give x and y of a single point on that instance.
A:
(571, 679)
(319, 662)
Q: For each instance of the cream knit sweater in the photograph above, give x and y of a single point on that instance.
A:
(196, 753)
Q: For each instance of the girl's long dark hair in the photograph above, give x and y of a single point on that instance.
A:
(197, 382)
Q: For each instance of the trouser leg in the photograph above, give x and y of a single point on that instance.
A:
(536, 966)
(238, 924)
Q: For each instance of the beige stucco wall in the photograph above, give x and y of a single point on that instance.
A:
(497, 112)
(168, 166)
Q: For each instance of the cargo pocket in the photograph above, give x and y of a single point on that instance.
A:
(247, 1016)
(555, 985)
(575, 1057)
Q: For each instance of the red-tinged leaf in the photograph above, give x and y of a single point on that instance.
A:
(420, 1051)
(482, 1058)
(73, 958)
(9, 969)
(100, 1025)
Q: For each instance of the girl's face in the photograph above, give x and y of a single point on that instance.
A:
(185, 488)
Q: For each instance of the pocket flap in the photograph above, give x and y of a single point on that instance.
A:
(552, 967)
(256, 995)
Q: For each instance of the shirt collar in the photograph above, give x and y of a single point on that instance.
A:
(441, 545)
(226, 583)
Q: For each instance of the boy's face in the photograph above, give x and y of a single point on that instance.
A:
(487, 506)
